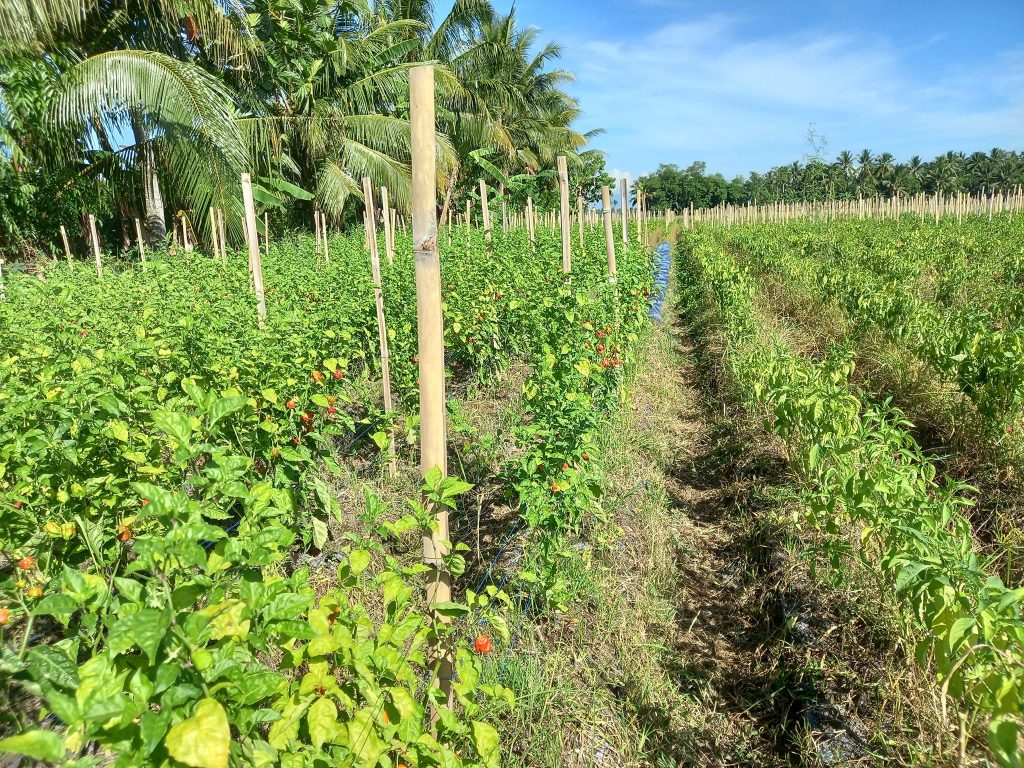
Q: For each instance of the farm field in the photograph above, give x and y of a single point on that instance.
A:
(180, 578)
(885, 355)
(209, 559)
(500, 384)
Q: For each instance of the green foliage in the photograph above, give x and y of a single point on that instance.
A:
(678, 189)
(876, 272)
(861, 465)
(131, 111)
(847, 177)
(168, 468)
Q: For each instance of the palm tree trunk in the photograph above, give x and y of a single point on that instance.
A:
(154, 222)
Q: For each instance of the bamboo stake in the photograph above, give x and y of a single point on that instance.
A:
(223, 236)
(67, 246)
(326, 239)
(382, 337)
(389, 233)
(563, 213)
(371, 217)
(579, 217)
(624, 193)
(504, 208)
(531, 225)
(488, 234)
(95, 245)
(185, 242)
(213, 233)
(433, 442)
(609, 233)
(142, 248)
(255, 263)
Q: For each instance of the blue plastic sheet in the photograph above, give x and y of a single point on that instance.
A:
(662, 267)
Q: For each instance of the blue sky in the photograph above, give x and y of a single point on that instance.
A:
(737, 84)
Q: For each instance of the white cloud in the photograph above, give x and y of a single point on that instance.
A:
(708, 90)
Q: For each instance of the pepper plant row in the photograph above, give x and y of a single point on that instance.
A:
(878, 285)
(861, 465)
(166, 464)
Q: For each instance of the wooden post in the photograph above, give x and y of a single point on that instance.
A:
(185, 242)
(371, 217)
(504, 208)
(579, 217)
(223, 236)
(433, 442)
(255, 263)
(624, 193)
(67, 246)
(95, 245)
(316, 229)
(563, 212)
(215, 251)
(488, 235)
(382, 335)
(609, 233)
(389, 233)
(325, 239)
(531, 225)
(142, 248)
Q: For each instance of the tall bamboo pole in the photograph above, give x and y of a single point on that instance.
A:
(563, 213)
(255, 262)
(95, 238)
(609, 233)
(433, 442)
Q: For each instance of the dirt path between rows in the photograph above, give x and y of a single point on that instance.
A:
(784, 668)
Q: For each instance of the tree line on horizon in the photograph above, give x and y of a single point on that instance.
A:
(848, 177)
(147, 108)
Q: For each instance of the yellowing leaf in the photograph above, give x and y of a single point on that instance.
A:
(322, 719)
(202, 741)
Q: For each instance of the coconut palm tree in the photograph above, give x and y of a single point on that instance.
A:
(124, 92)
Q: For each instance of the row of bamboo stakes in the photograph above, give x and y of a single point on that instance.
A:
(922, 206)
(934, 207)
